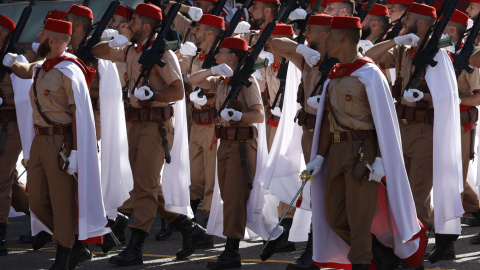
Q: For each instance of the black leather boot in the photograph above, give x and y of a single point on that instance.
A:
(3, 239)
(165, 231)
(269, 249)
(305, 261)
(384, 257)
(360, 266)
(284, 245)
(230, 258)
(132, 254)
(191, 234)
(121, 234)
(79, 254)
(61, 258)
(443, 249)
(206, 241)
(194, 205)
(41, 239)
(117, 226)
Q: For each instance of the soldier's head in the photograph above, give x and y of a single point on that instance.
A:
(316, 30)
(231, 51)
(311, 4)
(54, 38)
(145, 19)
(81, 18)
(281, 31)
(340, 8)
(343, 36)
(120, 18)
(396, 8)
(55, 14)
(418, 19)
(457, 25)
(6, 26)
(206, 6)
(376, 21)
(262, 12)
(473, 9)
(207, 30)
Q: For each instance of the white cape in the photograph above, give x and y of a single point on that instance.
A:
(399, 222)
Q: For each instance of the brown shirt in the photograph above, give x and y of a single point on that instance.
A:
(272, 83)
(55, 95)
(348, 104)
(467, 83)
(7, 90)
(310, 76)
(182, 25)
(247, 97)
(159, 80)
(190, 65)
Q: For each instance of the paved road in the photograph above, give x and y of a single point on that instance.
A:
(161, 255)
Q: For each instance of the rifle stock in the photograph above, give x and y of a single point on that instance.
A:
(364, 12)
(461, 60)
(316, 8)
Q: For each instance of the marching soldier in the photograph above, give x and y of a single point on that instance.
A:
(340, 8)
(396, 8)
(375, 23)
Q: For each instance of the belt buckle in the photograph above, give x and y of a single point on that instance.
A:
(405, 122)
(37, 132)
(336, 136)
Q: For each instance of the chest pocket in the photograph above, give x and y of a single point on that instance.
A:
(49, 90)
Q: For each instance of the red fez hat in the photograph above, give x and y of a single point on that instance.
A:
(377, 9)
(7, 23)
(55, 14)
(208, 0)
(148, 10)
(122, 11)
(399, 2)
(313, 2)
(212, 20)
(58, 26)
(281, 29)
(235, 43)
(344, 22)
(277, 1)
(459, 17)
(474, 1)
(81, 11)
(320, 19)
(423, 9)
(333, 1)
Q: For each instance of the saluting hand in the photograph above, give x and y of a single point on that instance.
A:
(195, 13)
(222, 70)
(264, 54)
(10, 59)
(119, 43)
(109, 33)
(188, 48)
(242, 28)
(297, 14)
(409, 39)
(311, 56)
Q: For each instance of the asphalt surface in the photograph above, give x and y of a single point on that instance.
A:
(161, 255)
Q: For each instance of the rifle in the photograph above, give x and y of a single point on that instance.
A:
(461, 60)
(247, 64)
(290, 6)
(218, 9)
(13, 38)
(282, 77)
(325, 67)
(301, 36)
(210, 59)
(364, 12)
(430, 46)
(84, 51)
(86, 3)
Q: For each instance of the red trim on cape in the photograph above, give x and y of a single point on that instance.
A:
(339, 71)
(89, 73)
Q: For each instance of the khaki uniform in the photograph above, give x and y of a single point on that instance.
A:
(202, 146)
(417, 144)
(349, 203)
(467, 83)
(231, 179)
(145, 143)
(183, 26)
(16, 195)
(52, 191)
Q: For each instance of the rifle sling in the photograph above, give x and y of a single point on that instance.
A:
(243, 161)
(163, 135)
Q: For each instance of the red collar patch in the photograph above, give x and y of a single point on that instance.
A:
(140, 47)
(201, 57)
(89, 73)
(276, 66)
(339, 71)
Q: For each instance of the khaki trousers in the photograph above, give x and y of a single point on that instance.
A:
(52, 192)
(16, 195)
(203, 158)
(469, 197)
(233, 186)
(146, 159)
(417, 144)
(350, 203)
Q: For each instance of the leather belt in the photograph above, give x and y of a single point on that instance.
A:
(8, 116)
(306, 119)
(203, 117)
(422, 115)
(242, 134)
(469, 115)
(49, 131)
(152, 114)
(352, 135)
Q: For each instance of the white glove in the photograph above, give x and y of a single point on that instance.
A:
(311, 56)
(378, 171)
(119, 42)
(313, 101)
(196, 99)
(35, 46)
(264, 54)
(230, 14)
(109, 33)
(409, 39)
(413, 95)
(188, 48)
(315, 165)
(10, 59)
(277, 111)
(231, 114)
(242, 28)
(72, 163)
(195, 13)
(143, 93)
(258, 75)
(297, 14)
(365, 45)
(222, 70)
